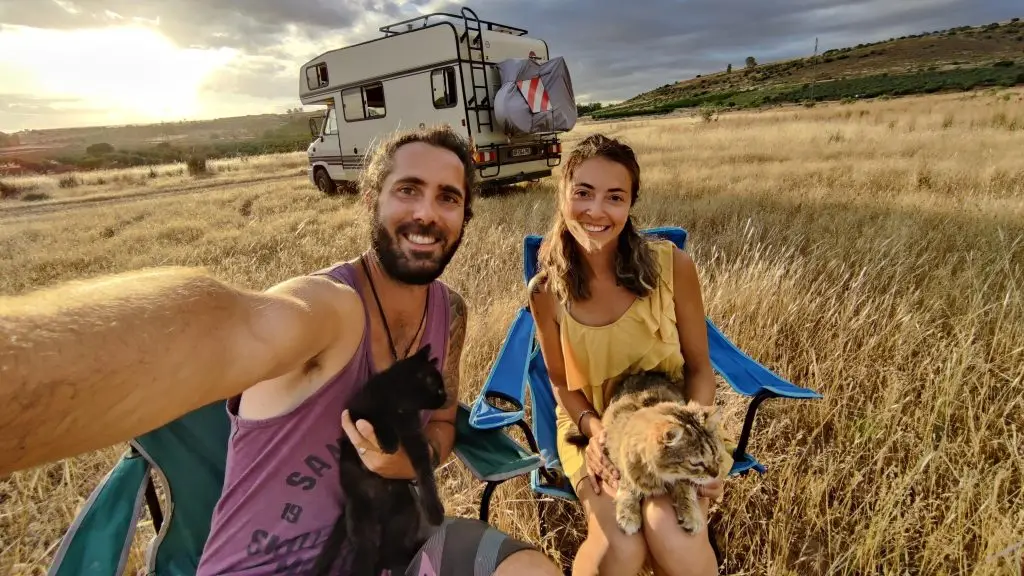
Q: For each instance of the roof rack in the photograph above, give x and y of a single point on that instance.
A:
(422, 21)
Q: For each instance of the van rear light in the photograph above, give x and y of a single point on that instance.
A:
(483, 157)
(555, 148)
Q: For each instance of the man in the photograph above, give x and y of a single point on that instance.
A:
(90, 364)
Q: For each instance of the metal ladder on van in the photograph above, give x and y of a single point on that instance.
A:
(479, 105)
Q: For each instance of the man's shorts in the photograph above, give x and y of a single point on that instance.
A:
(464, 547)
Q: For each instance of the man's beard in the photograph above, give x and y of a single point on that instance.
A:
(402, 267)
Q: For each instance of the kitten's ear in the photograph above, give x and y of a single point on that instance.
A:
(424, 352)
(672, 436)
(712, 417)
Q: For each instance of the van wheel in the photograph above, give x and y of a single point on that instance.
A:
(324, 182)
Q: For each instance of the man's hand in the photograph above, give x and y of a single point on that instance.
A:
(394, 466)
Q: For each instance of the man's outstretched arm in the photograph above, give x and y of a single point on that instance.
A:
(88, 364)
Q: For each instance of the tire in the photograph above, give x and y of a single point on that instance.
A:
(324, 182)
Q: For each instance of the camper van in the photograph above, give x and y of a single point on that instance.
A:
(490, 81)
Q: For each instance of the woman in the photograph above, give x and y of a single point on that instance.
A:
(608, 302)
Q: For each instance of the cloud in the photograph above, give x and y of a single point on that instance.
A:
(614, 49)
(258, 76)
(248, 25)
(24, 110)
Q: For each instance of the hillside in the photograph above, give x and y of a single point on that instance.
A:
(960, 58)
(68, 149)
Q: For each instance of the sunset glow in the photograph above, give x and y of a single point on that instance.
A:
(130, 73)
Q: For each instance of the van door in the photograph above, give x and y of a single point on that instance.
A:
(326, 150)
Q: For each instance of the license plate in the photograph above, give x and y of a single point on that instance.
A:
(517, 152)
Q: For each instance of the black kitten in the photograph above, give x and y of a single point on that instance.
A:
(383, 518)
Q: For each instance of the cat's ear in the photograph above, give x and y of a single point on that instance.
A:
(424, 352)
(671, 436)
(712, 417)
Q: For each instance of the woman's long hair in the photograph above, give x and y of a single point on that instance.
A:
(560, 264)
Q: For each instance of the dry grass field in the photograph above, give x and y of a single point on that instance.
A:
(40, 190)
(873, 252)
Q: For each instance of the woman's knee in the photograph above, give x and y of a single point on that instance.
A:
(607, 546)
(618, 550)
(670, 544)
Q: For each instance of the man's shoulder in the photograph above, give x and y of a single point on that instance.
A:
(455, 300)
(316, 289)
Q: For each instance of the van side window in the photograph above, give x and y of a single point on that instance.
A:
(332, 122)
(442, 85)
(316, 76)
(364, 102)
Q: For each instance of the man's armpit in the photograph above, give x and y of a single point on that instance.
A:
(456, 341)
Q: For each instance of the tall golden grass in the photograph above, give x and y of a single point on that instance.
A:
(873, 252)
(71, 186)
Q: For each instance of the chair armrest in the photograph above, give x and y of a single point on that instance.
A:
(100, 538)
(490, 455)
(746, 375)
(502, 399)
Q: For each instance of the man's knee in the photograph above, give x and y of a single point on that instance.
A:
(526, 562)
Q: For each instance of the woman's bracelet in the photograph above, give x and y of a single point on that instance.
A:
(579, 420)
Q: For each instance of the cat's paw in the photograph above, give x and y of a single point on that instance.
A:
(690, 523)
(628, 519)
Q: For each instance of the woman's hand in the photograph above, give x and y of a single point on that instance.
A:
(713, 490)
(394, 466)
(599, 467)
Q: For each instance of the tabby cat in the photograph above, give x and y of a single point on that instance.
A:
(660, 443)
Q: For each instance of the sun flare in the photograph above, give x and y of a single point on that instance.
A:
(132, 70)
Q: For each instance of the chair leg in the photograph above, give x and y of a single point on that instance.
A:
(748, 421)
(485, 500)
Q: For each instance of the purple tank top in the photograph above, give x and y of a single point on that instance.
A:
(281, 492)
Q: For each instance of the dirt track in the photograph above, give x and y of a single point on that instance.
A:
(28, 210)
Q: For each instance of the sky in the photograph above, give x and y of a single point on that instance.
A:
(67, 63)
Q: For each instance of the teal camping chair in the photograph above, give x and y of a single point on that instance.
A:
(520, 364)
(188, 456)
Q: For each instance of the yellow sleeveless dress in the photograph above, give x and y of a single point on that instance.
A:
(644, 338)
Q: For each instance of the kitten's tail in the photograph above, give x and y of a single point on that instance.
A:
(576, 438)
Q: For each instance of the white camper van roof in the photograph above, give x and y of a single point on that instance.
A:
(409, 45)
(434, 17)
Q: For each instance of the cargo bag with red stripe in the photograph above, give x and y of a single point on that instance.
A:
(535, 97)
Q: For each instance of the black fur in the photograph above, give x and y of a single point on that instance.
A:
(382, 519)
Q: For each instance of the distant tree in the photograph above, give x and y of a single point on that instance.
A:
(9, 139)
(584, 109)
(728, 69)
(99, 149)
(751, 62)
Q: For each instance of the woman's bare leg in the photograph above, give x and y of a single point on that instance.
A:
(675, 552)
(607, 551)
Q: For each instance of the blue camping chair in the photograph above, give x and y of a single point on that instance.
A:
(188, 456)
(502, 400)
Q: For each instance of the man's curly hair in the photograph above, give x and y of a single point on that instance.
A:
(381, 160)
